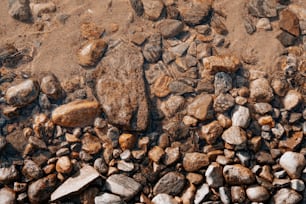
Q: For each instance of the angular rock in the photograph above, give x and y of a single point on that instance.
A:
(260, 90)
(7, 196)
(91, 52)
(163, 198)
(121, 89)
(238, 194)
(223, 103)
(20, 10)
(241, 116)
(195, 161)
(214, 176)
(76, 114)
(23, 93)
(200, 106)
(286, 39)
(234, 136)
(262, 8)
(222, 83)
(289, 22)
(160, 87)
(280, 86)
(51, 87)
(31, 170)
(91, 144)
(262, 108)
(201, 193)
(292, 99)
(180, 87)
(125, 166)
(153, 8)
(122, 185)
(293, 163)
(172, 183)
(287, 196)
(172, 155)
(195, 11)
(264, 24)
(211, 132)
(8, 174)
(216, 64)
(40, 190)
(156, 153)
(172, 105)
(238, 175)
(291, 143)
(170, 27)
(74, 184)
(127, 141)
(107, 198)
(257, 193)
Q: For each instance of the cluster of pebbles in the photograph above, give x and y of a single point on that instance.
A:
(162, 119)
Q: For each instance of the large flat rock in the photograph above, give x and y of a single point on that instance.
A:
(121, 88)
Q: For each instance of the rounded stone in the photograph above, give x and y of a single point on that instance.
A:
(257, 193)
(63, 165)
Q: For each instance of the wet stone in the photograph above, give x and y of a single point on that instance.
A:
(172, 183)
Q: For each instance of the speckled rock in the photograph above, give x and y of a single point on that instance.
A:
(222, 83)
(211, 132)
(223, 102)
(31, 170)
(216, 64)
(234, 136)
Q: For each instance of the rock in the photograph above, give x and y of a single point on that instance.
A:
(262, 108)
(211, 132)
(122, 185)
(257, 193)
(262, 8)
(153, 49)
(79, 113)
(238, 194)
(156, 153)
(223, 103)
(214, 64)
(225, 195)
(91, 52)
(196, 11)
(172, 155)
(40, 190)
(180, 49)
(260, 90)
(3, 143)
(51, 87)
(7, 196)
(291, 143)
(137, 6)
(41, 8)
(292, 99)
(214, 176)
(63, 165)
(101, 166)
(180, 87)
(127, 106)
(20, 10)
(31, 170)
(249, 26)
(201, 193)
(77, 182)
(297, 184)
(263, 24)
(286, 39)
(125, 166)
(222, 83)
(293, 163)
(289, 22)
(107, 198)
(195, 161)
(172, 105)
(200, 106)
(241, 116)
(172, 183)
(287, 196)
(280, 86)
(8, 174)
(163, 198)
(194, 178)
(23, 93)
(153, 8)
(91, 144)
(170, 27)
(238, 175)
(160, 87)
(127, 141)
(234, 136)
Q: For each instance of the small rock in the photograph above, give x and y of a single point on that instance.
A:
(195, 161)
(238, 175)
(153, 8)
(297, 184)
(156, 153)
(41, 8)
(195, 11)
(241, 117)
(286, 39)
(280, 86)
(292, 99)
(8, 174)
(91, 31)
(137, 6)
(172, 155)
(224, 121)
(180, 87)
(91, 144)
(172, 105)
(76, 114)
(64, 165)
(225, 195)
(257, 193)
(31, 170)
(216, 64)
(107, 198)
(125, 166)
(163, 198)
(122, 185)
(293, 163)
(214, 176)
(194, 178)
(188, 194)
(287, 196)
(91, 52)
(101, 166)
(291, 143)
(172, 183)
(289, 22)
(22, 94)
(138, 38)
(127, 141)
(249, 26)
(200, 106)
(262, 108)
(211, 132)
(170, 28)
(260, 90)
(7, 196)
(20, 10)
(51, 87)
(201, 193)
(189, 120)
(238, 194)
(222, 83)
(262, 8)
(263, 24)
(160, 87)
(223, 103)
(40, 190)
(234, 136)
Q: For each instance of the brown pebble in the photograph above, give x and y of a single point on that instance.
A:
(63, 165)
(127, 141)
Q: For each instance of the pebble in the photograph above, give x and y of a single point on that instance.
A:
(238, 175)
(77, 182)
(214, 64)
(241, 116)
(263, 24)
(78, 113)
(153, 8)
(234, 136)
(289, 22)
(8, 173)
(160, 87)
(31, 170)
(188, 195)
(200, 106)
(156, 153)
(293, 163)
(7, 196)
(180, 87)
(291, 143)
(262, 108)
(260, 90)
(195, 161)
(194, 12)
(91, 52)
(211, 132)
(297, 184)
(107, 198)
(172, 183)
(125, 166)
(172, 105)
(225, 195)
(238, 194)
(91, 144)
(292, 99)
(163, 198)
(266, 8)
(20, 10)
(172, 155)
(101, 166)
(170, 28)
(280, 86)
(201, 193)
(23, 93)
(127, 141)
(222, 83)
(122, 185)
(287, 196)
(214, 176)
(223, 103)
(40, 190)
(63, 165)
(51, 87)
(257, 193)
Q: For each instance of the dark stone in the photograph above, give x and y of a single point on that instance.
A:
(286, 39)
(137, 6)
(172, 183)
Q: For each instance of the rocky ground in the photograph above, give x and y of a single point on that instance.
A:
(153, 101)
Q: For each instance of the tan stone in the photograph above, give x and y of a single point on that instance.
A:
(91, 144)
(195, 161)
(127, 141)
(156, 153)
(289, 22)
(91, 52)
(216, 64)
(200, 106)
(63, 165)
(160, 87)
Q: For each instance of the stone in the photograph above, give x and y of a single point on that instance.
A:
(288, 196)
(91, 52)
(289, 22)
(194, 12)
(260, 90)
(7, 195)
(51, 87)
(238, 194)
(241, 116)
(3, 143)
(170, 28)
(293, 163)
(78, 113)
(223, 103)
(171, 183)
(160, 87)
(201, 193)
(8, 174)
(40, 190)
(194, 178)
(20, 10)
(238, 175)
(218, 25)
(214, 175)
(200, 106)
(214, 64)
(156, 153)
(211, 132)
(297, 184)
(63, 165)
(91, 144)
(292, 99)
(263, 24)
(257, 193)
(262, 8)
(23, 93)
(125, 166)
(291, 143)
(172, 105)
(90, 31)
(195, 161)
(42, 8)
(126, 107)
(222, 83)
(101, 166)
(163, 198)
(137, 6)
(122, 185)
(138, 38)
(179, 87)
(234, 136)
(224, 121)
(172, 155)
(262, 108)
(153, 8)
(286, 39)
(107, 198)
(249, 26)
(31, 170)
(225, 195)
(127, 141)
